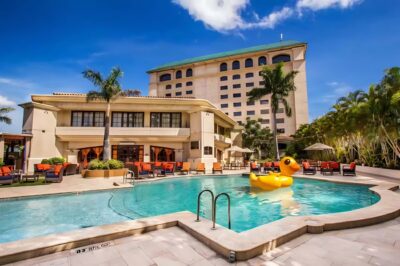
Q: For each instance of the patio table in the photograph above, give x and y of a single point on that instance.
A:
(29, 177)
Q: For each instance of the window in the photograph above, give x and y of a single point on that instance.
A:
(280, 120)
(264, 111)
(280, 58)
(168, 95)
(237, 95)
(178, 74)
(251, 112)
(223, 78)
(178, 93)
(237, 76)
(189, 92)
(250, 84)
(189, 83)
(223, 88)
(236, 65)
(249, 103)
(178, 85)
(224, 105)
(236, 86)
(237, 113)
(165, 120)
(248, 62)
(249, 75)
(189, 72)
(165, 77)
(208, 150)
(194, 145)
(280, 111)
(264, 121)
(262, 61)
(262, 83)
(87, 119)
(223, 67)
(168, 87)
(264, 101)
(126, 119)
(224, 96)
(237, 104)
(280, 130)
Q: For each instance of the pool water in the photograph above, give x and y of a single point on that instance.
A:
(26, 218)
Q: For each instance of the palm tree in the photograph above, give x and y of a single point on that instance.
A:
(278, 85)
(109, 90)
(3, 115)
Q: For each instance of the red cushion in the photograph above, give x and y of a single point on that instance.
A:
(324, 165)
(334, 165)
(146, 167)
(352, 165)
(168, 166)
(46, 167)
(267, 164)
(253, 165)
(306, 165)
(276, 164)
(65, 164)
(57, 168)
(5, 170)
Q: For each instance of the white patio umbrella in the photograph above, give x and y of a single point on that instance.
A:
(318, 147)
(236, 149)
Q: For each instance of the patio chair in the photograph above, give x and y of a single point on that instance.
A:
(54, 175)
(143, 170)
(179, 166)
(168, 168)
(325, 168)
(201, 168)
(157, 169)
(349, 170)
(185, 168)
(254, 167)
(70, 169)
(217, 168)
(6, 179)
(41, 168)
(275, 166)
(335, 166)
(268, 167)
(308, 169)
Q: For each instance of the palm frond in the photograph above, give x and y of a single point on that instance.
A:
(94, 76)
(94, 96)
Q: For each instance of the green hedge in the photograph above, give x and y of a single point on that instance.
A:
(54, 160)
(105, 165)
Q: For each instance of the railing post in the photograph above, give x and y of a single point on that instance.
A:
(215, 209)
(198, 203)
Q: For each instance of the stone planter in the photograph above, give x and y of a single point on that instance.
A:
(103, 173)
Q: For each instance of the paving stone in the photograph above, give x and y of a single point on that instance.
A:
(136, 257)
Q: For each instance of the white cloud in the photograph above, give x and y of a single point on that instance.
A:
(4, 101)
(324, 4)
(226, 15)
(15, 82)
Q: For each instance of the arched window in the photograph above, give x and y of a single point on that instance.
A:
(248, 62)
(262, 61)
(236, 65)
(280, 58)
(223, 67)
(178, 74)
(189, 72)
(165, 77)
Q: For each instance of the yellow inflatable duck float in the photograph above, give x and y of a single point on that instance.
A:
(273, 180)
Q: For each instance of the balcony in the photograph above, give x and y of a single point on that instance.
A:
(122, 133)
(222, 139)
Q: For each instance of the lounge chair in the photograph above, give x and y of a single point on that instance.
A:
(185, 168)
(168, 168)
(179, 166)
(70, 169)
(217, 168)
(349, 170)
(275, 166)
(201, 168)
(6, 178)
(335, 167)
(54, 175)
(142, 170)
(308, 169)
(268, 167)
(41, 168)
(254, 167)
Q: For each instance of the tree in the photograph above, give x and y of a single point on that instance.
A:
(108, 90)
(257, 138)
(131, 93)
(278, 85)
(3, 114)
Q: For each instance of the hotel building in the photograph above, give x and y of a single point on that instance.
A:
(142, 129)
(226, 78)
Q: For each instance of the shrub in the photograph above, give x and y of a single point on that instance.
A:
(114, 164)
(97, 165)
(1, 164)
(57, 160)
(45, 161)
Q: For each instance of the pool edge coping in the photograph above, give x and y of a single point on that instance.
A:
(242, 246)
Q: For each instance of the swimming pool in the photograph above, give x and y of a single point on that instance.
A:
(26, 218)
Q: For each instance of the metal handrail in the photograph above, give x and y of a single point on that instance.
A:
(198, 203)
(215, 208)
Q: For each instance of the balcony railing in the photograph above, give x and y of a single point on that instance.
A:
(221, 138)
(122, 131)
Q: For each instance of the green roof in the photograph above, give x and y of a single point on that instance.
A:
(258, 48)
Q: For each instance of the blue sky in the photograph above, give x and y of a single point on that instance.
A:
(46, 44)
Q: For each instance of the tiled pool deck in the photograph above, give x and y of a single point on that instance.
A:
(172, 245)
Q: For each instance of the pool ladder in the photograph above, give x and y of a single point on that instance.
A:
(214, 206)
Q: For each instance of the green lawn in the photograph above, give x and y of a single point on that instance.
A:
(29, 183)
